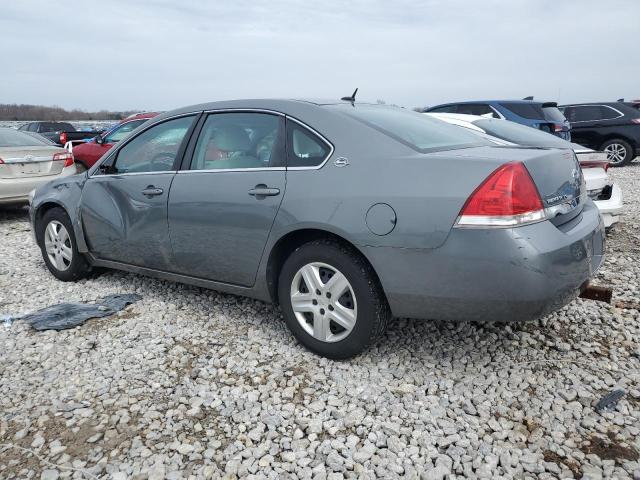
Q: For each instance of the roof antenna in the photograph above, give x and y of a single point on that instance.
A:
(528, 98)
(352, 98)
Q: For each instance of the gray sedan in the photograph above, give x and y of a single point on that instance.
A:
(345, 214)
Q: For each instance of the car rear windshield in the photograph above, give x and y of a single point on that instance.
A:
(416, 130)
(14, 138)
(520, 134)
(553, 114)
(532, 111)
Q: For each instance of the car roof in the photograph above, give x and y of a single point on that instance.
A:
(138, 116)
(286, 106)
(493, 101)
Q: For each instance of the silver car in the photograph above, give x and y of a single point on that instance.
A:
(28, 161)
(345, 214)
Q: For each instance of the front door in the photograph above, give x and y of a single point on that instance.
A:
(124, 203)
(222, 207)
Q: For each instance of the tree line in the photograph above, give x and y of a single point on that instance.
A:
(55, 113)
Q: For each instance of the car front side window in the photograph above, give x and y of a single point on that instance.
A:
(154, 150)
(239, 140)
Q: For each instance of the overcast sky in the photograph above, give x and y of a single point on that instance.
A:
(161, 54)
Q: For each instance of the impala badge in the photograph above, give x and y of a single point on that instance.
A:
(341, 162)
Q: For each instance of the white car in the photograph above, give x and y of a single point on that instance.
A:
(600, 187)
(28, 161)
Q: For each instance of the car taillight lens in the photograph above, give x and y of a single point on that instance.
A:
(508, 197)
(594, 164)
(63, 138)
(557, 127)
(635, 120)
(66, 156)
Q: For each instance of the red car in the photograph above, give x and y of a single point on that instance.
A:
(86, 154)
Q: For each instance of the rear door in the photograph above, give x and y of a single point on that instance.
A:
(223, 203)
(586, 122)
(124, 201)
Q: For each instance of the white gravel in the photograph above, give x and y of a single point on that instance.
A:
(189, 383)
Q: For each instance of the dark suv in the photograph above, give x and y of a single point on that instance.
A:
(613, 127)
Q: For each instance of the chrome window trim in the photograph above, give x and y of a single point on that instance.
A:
(620, 114)
(111, 175)
(246, 110)
(252, 169)
(126, 141)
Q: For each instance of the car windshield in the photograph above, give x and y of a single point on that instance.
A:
(520, 134)
(14, 138)
(416, 130)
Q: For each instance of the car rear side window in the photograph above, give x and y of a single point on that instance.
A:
(305, 148)
(239, 140)
(445, 109)
(155, 149)
(532, 111)
(476, 109)
(585, 113)
(415, 130)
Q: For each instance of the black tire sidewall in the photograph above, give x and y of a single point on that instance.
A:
(628, 148)
(350, 266)
(78, 267)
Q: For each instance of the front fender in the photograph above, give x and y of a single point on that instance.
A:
(65, 193)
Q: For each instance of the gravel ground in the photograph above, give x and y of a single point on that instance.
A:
(189, 383)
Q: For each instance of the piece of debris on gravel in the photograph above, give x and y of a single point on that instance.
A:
(190, 383)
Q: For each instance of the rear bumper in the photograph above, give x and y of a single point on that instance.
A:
(16, 190)
(611, 208)
(501, 275)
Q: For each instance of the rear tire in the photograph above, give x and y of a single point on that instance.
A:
(619, 152)
(58, 245)
(344, 312)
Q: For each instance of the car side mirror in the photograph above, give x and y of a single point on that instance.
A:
(99, 140)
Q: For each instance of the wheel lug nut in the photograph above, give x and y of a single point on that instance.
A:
(322, 311)
(331, 308)
(328, 294)
(315, 302)
(318, 292)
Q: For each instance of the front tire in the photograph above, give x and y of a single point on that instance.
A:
(331, 299)
(59, 248)
(619, 152)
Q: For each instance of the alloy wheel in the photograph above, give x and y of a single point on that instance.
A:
(57, 244)
(323, 302)
(616, 153)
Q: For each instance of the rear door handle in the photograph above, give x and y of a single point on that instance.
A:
(264, 191)
(152, 191)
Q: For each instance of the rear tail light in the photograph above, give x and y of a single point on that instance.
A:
(1, 161)
(594, 164)
(508, 197)
(63, 138)
(635, 120)
(64, 156)
(558, 127)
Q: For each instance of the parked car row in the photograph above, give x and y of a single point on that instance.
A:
(611, 127)
(58, 132)
(345, 214)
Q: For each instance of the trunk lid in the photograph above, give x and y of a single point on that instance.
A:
(21, 162)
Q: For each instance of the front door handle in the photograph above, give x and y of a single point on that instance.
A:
(263, 191)
(152, 191)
